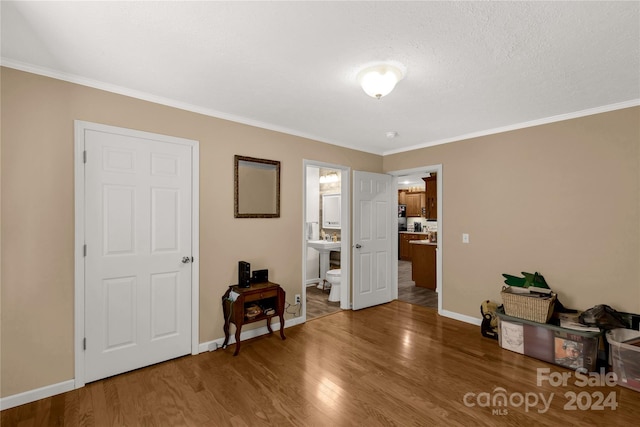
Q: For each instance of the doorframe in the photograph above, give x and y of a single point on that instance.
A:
(437, 168)
(79, 271)
(345, 232)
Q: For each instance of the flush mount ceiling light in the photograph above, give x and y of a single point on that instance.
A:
(379, 80)
(331, 177)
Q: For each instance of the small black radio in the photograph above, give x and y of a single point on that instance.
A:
(244, 274)
(260, 276)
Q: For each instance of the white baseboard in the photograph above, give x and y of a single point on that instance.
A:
(461, 317)
(252, 333)
(63, 387)
(36, 394)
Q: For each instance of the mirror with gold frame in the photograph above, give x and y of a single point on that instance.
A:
(257, 187)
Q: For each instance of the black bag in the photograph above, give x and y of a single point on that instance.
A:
(604, 317)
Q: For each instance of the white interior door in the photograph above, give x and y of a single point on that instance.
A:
(138, 271)
(373, 239)
(312, 223)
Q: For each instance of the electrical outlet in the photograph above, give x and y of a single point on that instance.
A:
(298, 299)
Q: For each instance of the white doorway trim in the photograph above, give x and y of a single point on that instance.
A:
(345, 232)
(79, 269)
(440, 251)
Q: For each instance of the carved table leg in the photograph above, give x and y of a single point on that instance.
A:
(226, 335)
(269, 325)
(238, 328)
(282, 326)
(225, 309)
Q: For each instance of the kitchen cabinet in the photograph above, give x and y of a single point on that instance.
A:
(415, 203)
(431, 197)
(402, 197)
(405, 248)
(423, 265)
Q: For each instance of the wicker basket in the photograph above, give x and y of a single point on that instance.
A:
(528, 307)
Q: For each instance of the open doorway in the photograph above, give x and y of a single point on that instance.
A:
(326, 235)
(420, 236)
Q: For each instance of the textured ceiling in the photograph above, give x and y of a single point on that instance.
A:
(472, 67)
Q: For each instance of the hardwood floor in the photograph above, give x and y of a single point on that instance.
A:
(396, 364)
(318, 304)
(409, 292)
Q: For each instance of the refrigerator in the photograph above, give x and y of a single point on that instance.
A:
(402, 217)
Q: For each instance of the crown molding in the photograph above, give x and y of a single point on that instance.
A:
(523, 125)
(120, 90)
(72, 78)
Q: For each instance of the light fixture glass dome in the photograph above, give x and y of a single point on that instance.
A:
(331, 177)
(379, 80)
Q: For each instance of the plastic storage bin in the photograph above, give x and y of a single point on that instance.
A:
(624, 355)
(570, 348)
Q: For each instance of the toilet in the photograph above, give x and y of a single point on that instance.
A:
(333, 277)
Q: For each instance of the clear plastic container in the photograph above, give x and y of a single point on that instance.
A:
(624, 356)
(570, 348)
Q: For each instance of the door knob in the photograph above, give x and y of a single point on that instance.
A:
(358, 245)
(186, 260)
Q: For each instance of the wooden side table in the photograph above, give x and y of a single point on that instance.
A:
(266, 295)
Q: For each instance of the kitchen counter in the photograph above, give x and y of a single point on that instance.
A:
(423, 242)
(404, 237)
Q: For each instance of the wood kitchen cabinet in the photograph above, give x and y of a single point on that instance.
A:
(402, 197)
(423, 265)
(431, 196)
(415, 203)
(405, 247)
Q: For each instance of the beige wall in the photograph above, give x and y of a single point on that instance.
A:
(0, 235)
(562, 199)
(38, 224)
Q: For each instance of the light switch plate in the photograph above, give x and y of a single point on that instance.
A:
(465, 238)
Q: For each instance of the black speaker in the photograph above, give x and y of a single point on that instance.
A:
(260, 276)
(244, 274)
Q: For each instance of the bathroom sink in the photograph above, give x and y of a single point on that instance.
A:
(324, 248)
(324, 245)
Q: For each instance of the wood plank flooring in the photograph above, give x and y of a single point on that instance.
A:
(396, 364)
(409, 292)
(318, 304)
